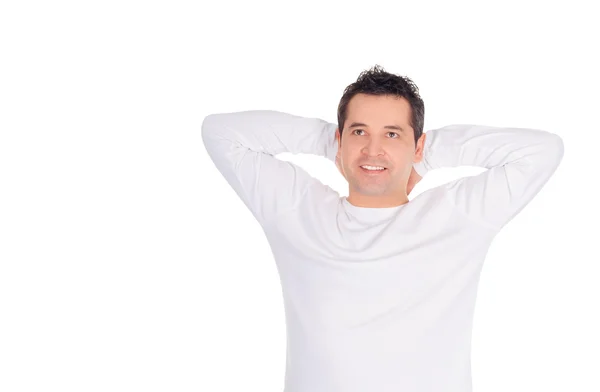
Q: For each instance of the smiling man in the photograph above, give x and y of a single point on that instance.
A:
(377, 158)
(379, 290)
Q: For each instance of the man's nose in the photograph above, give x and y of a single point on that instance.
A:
(373, 148)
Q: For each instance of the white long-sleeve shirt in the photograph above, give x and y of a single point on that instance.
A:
(378, 299)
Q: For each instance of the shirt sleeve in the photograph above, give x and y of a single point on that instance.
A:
(243, 146)
(520, 162)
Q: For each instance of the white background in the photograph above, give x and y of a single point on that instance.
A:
(128, 264)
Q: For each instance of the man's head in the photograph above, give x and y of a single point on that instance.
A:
(369, 114)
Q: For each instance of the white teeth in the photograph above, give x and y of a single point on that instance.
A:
(373, 167)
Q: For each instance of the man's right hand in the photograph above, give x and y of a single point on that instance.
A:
(339, 166)
(413, 180)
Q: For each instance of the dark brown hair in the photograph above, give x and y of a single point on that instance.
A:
(376, 81)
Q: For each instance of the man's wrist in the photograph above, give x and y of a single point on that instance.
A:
(421, 168)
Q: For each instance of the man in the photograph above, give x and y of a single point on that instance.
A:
(378, 290)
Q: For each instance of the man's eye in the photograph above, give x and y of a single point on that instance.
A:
(394, 133)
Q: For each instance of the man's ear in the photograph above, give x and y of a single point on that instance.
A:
(338, 163)
(419, 148)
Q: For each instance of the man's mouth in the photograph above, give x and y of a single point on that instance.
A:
(373, 169)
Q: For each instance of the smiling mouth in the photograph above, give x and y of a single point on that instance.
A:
(373, 171)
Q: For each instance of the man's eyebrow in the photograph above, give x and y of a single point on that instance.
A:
(394, 127)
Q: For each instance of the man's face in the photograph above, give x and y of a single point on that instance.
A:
(374, 144)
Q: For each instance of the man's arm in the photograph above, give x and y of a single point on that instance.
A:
(519, 161)
(243, 146)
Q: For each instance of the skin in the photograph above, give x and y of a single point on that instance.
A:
(375, 145)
